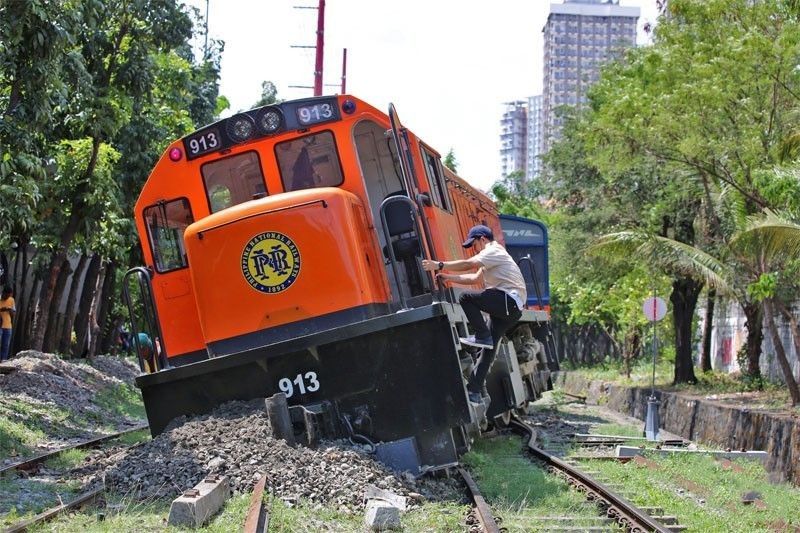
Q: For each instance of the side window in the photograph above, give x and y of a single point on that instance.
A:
(433, 169)
(233, 180)
(308, 162)
(166, 223)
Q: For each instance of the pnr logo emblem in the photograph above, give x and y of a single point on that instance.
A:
(271, 262)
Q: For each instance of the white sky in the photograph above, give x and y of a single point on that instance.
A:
(447, 65)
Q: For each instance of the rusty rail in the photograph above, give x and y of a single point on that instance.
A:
(624, 512)
(257, 516)
(28, 464)
(51, 513)
(484, 514)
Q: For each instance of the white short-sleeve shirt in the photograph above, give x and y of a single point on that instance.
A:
(501, 272)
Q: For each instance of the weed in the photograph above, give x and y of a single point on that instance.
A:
(706, 496)
(66, 460)
(123, 400)
(512, 484)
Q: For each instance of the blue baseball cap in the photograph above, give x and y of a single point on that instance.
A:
(475, 232)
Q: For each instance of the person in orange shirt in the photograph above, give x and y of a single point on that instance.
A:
(7, 310)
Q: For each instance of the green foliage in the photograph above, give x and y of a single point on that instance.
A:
(450, 161)
(764, 287)
(517, 196)
(124, 400)
(90, 94)
(269, 94)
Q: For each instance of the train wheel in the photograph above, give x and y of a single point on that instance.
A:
(502, 420)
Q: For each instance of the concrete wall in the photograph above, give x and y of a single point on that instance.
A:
(704, 421)
(729, 335)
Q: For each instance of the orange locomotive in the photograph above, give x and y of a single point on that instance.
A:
(282, 247)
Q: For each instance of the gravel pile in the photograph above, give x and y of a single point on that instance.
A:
(236, 441)
(68, 384)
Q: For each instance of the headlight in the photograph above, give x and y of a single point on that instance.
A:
(270, 120)
(240, 128)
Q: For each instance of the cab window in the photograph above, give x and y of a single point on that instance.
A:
(433, 169)
(308, 162)
(233, 180)
(166, 222)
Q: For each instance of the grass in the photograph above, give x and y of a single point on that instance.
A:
(66, 460)
(705, 496)
(23, 424)
(641, 372)
(620, 430)
(122, 514)
(770, 395)
(23, 498)
(517, 489)
(122, 400)
(134, 437)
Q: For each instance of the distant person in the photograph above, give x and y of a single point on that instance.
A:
(502, 298)
(147, 352)
(8, 309)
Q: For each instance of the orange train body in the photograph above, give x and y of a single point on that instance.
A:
(340, 253)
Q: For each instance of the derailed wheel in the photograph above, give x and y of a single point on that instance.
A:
(502, 420)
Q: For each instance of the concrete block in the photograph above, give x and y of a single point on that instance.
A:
(196, 506)
(631, 451)
(371, 492)
(382, 516)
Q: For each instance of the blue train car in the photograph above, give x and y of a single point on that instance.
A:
(528, 238)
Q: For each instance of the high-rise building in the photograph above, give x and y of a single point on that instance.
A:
(580, 35)
(520, 137)
(513, 137)
(534, 163)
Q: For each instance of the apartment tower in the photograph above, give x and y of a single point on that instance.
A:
(580, 35)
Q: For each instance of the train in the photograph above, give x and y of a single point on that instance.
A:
(282, 249)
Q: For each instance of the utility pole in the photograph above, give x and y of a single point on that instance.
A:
(205, 45)
(344, 70)
(319, 49)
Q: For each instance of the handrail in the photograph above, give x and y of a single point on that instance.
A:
(151, 320)
(409, 179)
(550, 343)
(388, 237)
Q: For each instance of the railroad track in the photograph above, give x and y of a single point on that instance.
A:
(29, 464)
(88, 496)
(616, 507)
(483, 514)
(257, 520)
(85, 498)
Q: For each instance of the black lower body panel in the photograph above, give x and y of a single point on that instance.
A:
(393, 377)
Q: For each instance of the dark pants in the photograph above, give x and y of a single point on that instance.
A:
(5, 343)
(503, 314)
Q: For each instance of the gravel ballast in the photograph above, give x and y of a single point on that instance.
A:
(236, 441)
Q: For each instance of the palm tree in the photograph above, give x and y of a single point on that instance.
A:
(690, 268)
(764, 247)
(753, 254)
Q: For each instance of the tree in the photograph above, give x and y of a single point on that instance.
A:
(764, 247)
(710, 104)
(112, 67)
(269, 94)
(450, 161)
(761, 251)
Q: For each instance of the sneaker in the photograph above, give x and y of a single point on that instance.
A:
(475, 397)
(477, 343)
